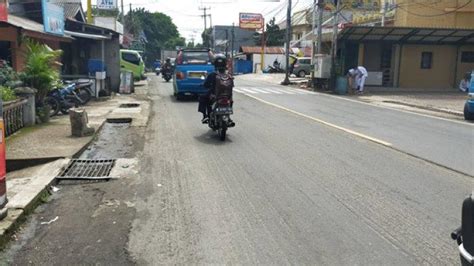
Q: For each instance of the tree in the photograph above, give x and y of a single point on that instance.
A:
(207, 38)
(273, 35)
(159, 32)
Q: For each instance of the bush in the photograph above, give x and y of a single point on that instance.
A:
(40, 70)
(7, 94)
(8, 77)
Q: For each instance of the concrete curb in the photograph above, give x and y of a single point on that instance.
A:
(26, 201)
(428, 108)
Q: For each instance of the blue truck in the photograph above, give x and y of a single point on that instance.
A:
(469, 106)
(192, 68)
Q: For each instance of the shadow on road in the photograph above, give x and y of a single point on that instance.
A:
(211, 137)
(185, 99)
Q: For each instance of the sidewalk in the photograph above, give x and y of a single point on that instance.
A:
(53, 142)
(438, 103)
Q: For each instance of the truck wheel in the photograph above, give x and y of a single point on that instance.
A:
(302, 74)
(468, 115)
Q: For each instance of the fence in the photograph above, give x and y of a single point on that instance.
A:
(13, 116)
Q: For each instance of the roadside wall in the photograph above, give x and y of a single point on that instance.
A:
(441, 75)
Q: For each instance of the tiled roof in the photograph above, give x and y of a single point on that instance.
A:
(258, 49)
(71, 9)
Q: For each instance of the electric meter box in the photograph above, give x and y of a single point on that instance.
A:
(322, 66)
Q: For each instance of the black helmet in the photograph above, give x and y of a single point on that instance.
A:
(168, 60)
(220, 61)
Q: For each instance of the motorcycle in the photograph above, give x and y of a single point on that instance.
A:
(219, 118)
(64, 98)
(166, 73)
(83, 89)
(464, 235)
(275, 69)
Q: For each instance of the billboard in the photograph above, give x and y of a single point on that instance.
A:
(53, 18)
(251, 21)
(3, 10)
(107, 4)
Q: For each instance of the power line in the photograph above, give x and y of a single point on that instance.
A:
(435, 15)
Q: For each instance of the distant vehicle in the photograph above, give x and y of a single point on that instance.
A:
(157, 67)
(132, 61)
(191, 69)
(302, 67)
(469, 107)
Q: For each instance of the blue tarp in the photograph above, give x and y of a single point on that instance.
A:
(243, 67)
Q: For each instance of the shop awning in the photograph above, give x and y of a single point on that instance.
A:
(87, 35)
(407, 35)
(34, 29)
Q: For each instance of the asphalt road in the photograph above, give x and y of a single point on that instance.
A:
(283, 189)
(449, 143)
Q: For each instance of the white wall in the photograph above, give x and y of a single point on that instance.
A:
(268, 60)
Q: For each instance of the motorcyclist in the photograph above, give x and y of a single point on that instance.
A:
(166, 66)
(205, 100)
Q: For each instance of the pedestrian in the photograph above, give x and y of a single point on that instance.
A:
(465, 83)
(358, 76)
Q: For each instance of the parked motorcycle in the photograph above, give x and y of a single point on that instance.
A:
(275, 69)
(64, 98)
(83, 89)
(464, 235)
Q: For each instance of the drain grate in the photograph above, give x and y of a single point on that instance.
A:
(79, 169)
(129, 105)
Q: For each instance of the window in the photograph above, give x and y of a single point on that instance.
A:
(195, 57)
(467, 57)
(131, 58)
(426, 60)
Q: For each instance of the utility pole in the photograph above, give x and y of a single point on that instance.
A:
(233, 39)
(287, 52)
(320, 25)
(204, 16)
(313, 48)
(334, 41)
(227, 43)
(89, 11)
(384, 13)
(122, 16)
(131, 13)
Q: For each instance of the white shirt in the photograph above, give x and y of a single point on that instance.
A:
(362, 71)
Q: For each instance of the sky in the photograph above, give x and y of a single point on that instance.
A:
(187, 16)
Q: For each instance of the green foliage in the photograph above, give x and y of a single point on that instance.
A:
(159, 29)
(40, 70)
(207, 38)
(7, 94)
(273, 35)
(105, 13)
(7, 75)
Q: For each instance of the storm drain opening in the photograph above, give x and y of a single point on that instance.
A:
(129, 105)
(81, 169)
(119, 120)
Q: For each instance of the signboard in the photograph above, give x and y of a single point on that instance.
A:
(53, 18)
(107, 4)
(251, 21)
(3, 11)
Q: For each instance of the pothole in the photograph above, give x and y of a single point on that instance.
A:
(119, 120)
(129, 105)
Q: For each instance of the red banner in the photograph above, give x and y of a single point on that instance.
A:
(3, 12)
